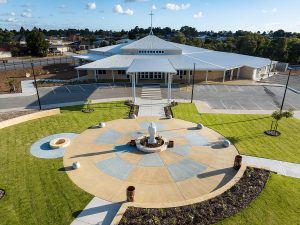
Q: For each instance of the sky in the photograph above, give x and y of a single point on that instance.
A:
(216, 15)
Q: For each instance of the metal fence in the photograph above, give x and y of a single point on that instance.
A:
(13, 65)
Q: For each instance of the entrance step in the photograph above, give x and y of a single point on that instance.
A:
(151, 92)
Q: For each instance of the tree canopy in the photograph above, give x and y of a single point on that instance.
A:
(36, 43)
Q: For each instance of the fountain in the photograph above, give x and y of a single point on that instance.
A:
(152, 142)
(59, 143)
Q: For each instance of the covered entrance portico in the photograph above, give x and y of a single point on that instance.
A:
(151, 69)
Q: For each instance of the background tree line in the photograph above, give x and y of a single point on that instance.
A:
(279, 45)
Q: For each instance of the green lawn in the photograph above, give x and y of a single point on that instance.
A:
(247, 132)
(37, 191)
(278, 204)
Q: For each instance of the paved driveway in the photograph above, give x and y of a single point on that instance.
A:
(217, 96)
(294, 81)
(239, 97)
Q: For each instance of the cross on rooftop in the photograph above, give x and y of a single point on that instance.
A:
(151, 14)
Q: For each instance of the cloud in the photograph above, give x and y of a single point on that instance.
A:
(91, 5)
(126, 1)
(3, 1)
(8, 14)
(9, 20)
(175, 7)
(264, 11)
(153, 7)
(198, 15)
(119, 10)
(62, 6)
(26, 14)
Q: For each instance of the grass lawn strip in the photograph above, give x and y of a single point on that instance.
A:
(37, 191)
(246, 132)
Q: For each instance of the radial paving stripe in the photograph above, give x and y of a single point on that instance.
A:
(108, 137)
(185, 169)
(196, 139)
(151, 160)
(116, 167)
(182, 150)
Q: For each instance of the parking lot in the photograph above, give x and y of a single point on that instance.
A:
(217, 96)
(239, 97)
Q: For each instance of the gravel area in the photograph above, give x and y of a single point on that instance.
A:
(10, 115)
(208, 212)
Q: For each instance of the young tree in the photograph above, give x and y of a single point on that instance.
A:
(278, 115)
(36, 43)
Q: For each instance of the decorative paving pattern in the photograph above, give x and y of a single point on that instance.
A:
(41, 148)
(173, 175)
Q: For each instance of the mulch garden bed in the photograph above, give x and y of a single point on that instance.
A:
(64, 71)
(10, 115)
(211, 211)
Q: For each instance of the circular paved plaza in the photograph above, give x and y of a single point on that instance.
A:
(197, 165)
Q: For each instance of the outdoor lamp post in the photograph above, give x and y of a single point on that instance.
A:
(286, 86)
(35, 84)
(192, 96)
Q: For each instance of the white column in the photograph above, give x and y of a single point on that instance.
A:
(95, 75)
(166, 78)
(77, 74)
(238, 73)
(113, 75)
(137, 78)
(224, 76)
(169, 87)
(133, 88)
(206, 77)
(231, 74)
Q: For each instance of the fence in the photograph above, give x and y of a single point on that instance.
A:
(13, 65)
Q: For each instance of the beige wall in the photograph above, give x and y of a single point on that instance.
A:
(247, 72)
(32, 116)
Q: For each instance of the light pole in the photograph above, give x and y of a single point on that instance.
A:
(35, 84)
(192, 96)
(286, 86)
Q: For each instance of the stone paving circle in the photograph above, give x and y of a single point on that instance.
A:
(197, 165)
(42, 149)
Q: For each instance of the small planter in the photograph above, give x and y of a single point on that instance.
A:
(2, 193)
(87, 110)
(274, 133)
(171, 144)
(130, 193)
(237, 162)
(132, 143)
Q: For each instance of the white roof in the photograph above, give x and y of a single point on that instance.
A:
(151, 42)
(151, 64)
(205, 59)
(90, 56)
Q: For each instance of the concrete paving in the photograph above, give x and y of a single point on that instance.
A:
(174, 175)
(280, 167)
(98, 211)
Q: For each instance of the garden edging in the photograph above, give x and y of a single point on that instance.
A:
(28, 117)
(213, 194)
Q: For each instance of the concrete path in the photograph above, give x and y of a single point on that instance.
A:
(98, 211)
(283, 168)
(27, 90)
(151, 102)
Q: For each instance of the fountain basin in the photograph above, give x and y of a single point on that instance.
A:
(59, 143)
(147, 149)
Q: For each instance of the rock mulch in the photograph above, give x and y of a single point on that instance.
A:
(10, 115)
(211, 211)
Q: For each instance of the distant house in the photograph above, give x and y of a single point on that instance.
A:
(124, 41)
(81, 45)
(20, 39)
(58, 48)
